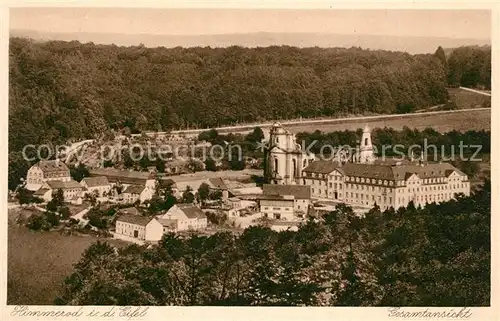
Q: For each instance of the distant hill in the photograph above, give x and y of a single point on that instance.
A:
(262, 39)
(448, 51)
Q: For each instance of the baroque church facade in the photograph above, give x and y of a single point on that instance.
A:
(357, 177)
(284, 158)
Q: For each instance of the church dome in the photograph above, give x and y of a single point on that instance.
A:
(277, 128)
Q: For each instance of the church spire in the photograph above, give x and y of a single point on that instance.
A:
(366, 147)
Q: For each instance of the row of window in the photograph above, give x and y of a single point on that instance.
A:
(436, 188)
(35, 181)
(427, 198)
(58, 174)
(362, 187)
(276, 216)
(320, 191)
(361, 197)
(385, 189)
(266, 208)
(36, 174)
(369, 180)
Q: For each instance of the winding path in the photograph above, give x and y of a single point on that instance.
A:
(477, 91)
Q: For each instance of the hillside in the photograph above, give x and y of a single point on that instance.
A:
(61, 90)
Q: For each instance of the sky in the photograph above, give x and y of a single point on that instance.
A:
(419, 23)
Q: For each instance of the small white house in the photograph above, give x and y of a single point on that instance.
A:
(183, 217)
(71, 190)
(139, 227)
(99, 184)
(44, 193)
(135, 193)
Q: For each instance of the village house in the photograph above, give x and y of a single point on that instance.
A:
(97, 183)
(72, 190)
(134, 193)
(129, 211)
(46, 170)
(138, 227)
(275, 201)
(183, 217)
(235, 206)
(125, 177)
(278, 207)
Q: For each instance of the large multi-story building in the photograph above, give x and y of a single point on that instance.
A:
(390, 184)
(46, 170)
(367, 181)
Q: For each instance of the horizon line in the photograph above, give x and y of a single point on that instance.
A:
(488, 39)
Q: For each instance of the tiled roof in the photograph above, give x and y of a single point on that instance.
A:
(275, 197)
(41, 191)
(194, 184)
(52, 166)
(217, 183)
(125, 177)
(247, 191)
(64, 185)
(399, 172)
(135, 219)
(321, 166)
(134, 189)
(369, 171)
(164, 182)
(96, 181)
(129, 211)
(191, 211)
(298, 191)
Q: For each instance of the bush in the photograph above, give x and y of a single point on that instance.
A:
(52, 218)
(38, 222)
(216, 218)
(65, 213)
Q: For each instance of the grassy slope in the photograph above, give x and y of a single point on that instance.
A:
(38, 263)
(476, 120)
(466, 99)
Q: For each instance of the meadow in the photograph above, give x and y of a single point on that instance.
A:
(38, 263)
(470, 120)
(466, 99)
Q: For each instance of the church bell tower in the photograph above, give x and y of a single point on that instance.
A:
(366, 148)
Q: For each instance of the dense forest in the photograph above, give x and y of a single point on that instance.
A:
(468, 66)
(61, 90)
(448, 142)
(433, 256)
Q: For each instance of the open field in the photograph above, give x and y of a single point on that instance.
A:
(442, 122)
(467, 99)
(38, 263)
(476, 118)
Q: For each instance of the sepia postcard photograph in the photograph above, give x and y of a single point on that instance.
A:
(271, 157)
